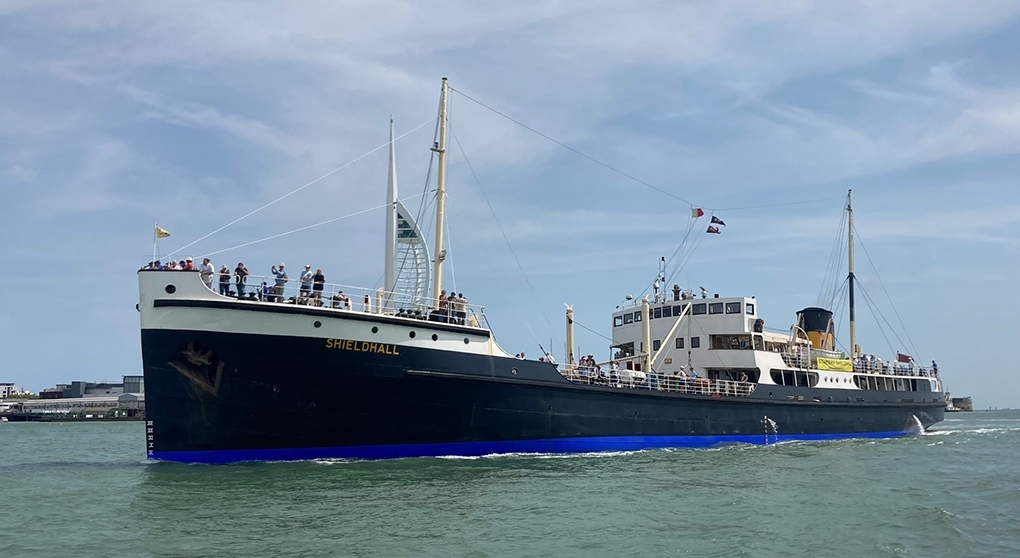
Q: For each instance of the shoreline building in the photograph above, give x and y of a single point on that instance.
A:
(82, 396)
(8, 389)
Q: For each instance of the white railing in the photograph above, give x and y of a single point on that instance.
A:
(806, 360)
(651, 381)
(349, 298)
(800, 360)
(894, 369)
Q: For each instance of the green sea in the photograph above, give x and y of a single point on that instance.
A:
(85, 489)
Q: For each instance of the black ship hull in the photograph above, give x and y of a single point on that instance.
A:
(220, 397)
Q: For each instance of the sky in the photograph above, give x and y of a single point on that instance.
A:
(116, 115)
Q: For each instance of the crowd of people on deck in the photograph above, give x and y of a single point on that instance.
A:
(452, 308)
(874, 365)
(684, 380)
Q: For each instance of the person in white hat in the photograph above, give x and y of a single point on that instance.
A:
(281, 281)
(306, 282)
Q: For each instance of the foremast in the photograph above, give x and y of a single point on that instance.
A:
(440, 149)
(850, 268)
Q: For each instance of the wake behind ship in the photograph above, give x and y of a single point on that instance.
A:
(401, 372)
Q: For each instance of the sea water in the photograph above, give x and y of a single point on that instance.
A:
(85, 489)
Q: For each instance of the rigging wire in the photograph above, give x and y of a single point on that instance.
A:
(691, 221)
(593, 331)
(784, 204)
(841, 290)
(891, 328)
(870, 304)
(568, 148)
(449, 242)
(513, 303)
(684, 258)
(886, 291)
(305, 228)
(292, 192)
(503, 232)
(834, 266)
(839, 316)
(623, 173)
(423, 201)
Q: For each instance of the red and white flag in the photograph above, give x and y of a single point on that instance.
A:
(713, 230)
(697, 212)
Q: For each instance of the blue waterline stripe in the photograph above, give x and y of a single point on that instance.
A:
(474, 449)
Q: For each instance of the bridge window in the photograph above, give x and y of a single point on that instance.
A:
(699, 309)
(695, 342)
(715, 308)
(734, 342)
(637, 316)
(749, 309)
(628, 318)
(732, 307)
(679, 342)
(656, 344)
(617, 321)
(667, 311)
(677, 310)
(656, 313)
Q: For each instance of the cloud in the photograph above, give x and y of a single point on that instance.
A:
(119, 113)
(21, 174)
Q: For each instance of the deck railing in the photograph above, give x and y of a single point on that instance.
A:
(894, 369)
(630, 379)
(346, 298)
(806, 360)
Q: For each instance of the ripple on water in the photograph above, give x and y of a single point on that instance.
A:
(953, 491)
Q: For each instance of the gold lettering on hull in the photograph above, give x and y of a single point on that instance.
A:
(362, 346)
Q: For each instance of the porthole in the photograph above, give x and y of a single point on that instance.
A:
(317, 323)
(513, 371)
(375, 329)
(410, 334)
(170, 289)
(466, 341)
(435, 337)
(770, 394)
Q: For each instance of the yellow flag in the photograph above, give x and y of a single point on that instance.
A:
(161, 232)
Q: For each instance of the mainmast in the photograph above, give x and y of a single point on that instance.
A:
(440, 148)
(391, 228)
(850, 267)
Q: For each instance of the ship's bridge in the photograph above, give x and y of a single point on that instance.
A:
(705, 316)
(716, 332)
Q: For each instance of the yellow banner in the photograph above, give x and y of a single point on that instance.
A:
(835, 364)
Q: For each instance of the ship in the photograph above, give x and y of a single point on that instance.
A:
(958, 404)
(402, 372)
